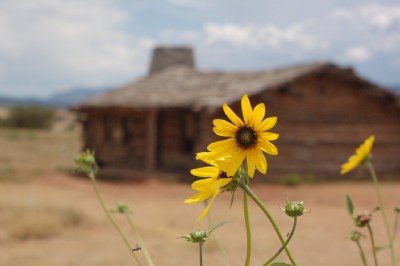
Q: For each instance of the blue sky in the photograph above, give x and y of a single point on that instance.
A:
(49, 46)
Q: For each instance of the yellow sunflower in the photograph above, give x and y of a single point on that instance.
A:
(362, 153)
(214, 179)
(247, 138)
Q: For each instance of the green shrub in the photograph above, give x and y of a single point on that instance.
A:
(29, 117)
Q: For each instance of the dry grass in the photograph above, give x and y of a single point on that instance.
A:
(36, 222)
(35, 152)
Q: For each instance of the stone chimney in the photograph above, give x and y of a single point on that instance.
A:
(164, 57)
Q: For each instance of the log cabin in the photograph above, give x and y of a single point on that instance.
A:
(159, 122)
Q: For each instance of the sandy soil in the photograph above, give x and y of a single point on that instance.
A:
(161, 216)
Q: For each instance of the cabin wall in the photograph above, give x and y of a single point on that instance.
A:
(176, 138)
(322, 119)
(117, 135)
(122, 137)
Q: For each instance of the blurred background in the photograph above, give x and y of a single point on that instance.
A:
(56, 55)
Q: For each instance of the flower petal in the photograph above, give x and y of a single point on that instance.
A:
(207, 157)
(203, 184)
(269, 135)
(261, 162)
(223, 147)
(224, 128)
(232, 116)
(237, 159)
(268, 123)
(252, 159)
(207, 171)
(205, 212)
(199, 197)
(268, 147)
(247, 110)
(258, 114)
(224, 181)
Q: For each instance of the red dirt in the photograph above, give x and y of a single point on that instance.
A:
(161, 216)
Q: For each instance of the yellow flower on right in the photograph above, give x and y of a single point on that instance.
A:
(362, 153)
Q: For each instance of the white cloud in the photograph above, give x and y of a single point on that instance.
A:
(365, 33)
(358, 53)
(77, 41)
(381, 16)
(259, 36)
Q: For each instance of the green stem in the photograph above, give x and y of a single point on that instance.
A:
(220, 244)
(254, 197)
(248, 228)
(396, 221)
(284, 245)
(201, 253)
(362, 254)
(371, 235)
(382, 208)
(96, 189)
(139, 239)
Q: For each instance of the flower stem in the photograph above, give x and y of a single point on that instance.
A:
(201, 253)
(371, 235)
(396, 221)
(248, 228)
(139, 239)
(362, 254)
(284, 245)
(254, 197)
(382, 208)
(98, 194)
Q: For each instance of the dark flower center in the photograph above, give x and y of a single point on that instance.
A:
(222, 174)
(246, 137)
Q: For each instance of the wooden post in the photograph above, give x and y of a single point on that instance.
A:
(151, 141)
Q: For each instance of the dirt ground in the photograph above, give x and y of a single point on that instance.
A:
(48, 218)
(161, 216)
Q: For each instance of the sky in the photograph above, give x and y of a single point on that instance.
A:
(50, 46)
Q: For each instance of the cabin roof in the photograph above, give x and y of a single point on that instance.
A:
(180, 86)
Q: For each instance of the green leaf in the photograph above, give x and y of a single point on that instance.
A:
(349, 205)
(216, 226)
(280, 264)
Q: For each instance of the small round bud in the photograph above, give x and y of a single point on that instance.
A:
(122, 207)
(294, 208)
(197, 236)
(86, 162)
(363, 219)
(201, 236)
(355, 236)
(397, 209)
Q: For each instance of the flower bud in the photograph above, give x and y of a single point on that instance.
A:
(294, 208)
(201, 236)
(87, 163)
(355, 236)
(197, 236)
(397, 209)
(122, 208)
(363, 219)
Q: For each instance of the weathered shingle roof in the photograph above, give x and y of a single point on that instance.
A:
(186, 87)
